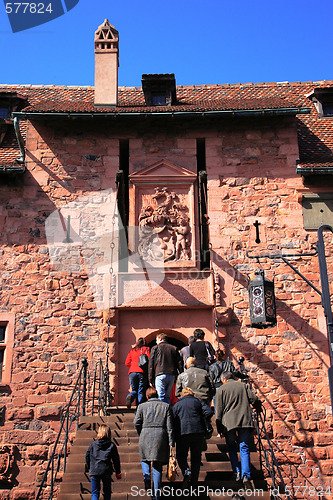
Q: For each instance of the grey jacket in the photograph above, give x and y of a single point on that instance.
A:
(233, 402)
(199, 381)
(153, 422)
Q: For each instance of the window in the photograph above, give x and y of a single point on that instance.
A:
(159, 89)
(4, 112)
(7, 321)
(327, 108)
(322, 97)
(158, 99)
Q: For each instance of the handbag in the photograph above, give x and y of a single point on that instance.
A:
(210, 355)
(172, 467)
(143, 361)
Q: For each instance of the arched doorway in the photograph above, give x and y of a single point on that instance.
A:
(175, 338)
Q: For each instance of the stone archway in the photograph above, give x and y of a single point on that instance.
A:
(175, 338)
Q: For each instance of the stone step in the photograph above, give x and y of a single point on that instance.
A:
(120, 430)
(133, 463)
(213, 453)
(132, 486)
(215, 472)
(217, 478)
(142, 495)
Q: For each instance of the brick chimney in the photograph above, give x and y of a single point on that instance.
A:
(106, 65)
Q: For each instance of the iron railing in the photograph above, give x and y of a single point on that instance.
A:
(268, 461)
(101, 394)
(69, 414)
(80, 403)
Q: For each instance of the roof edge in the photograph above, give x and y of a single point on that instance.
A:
(118, 113)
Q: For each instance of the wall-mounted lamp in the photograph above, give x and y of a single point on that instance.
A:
(262, 301)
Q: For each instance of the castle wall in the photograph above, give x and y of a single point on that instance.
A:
(58, 319)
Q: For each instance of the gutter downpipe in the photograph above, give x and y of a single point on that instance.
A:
(21, 158)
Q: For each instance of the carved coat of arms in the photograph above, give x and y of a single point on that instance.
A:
(164, 228)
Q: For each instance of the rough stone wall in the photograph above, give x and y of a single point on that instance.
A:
(251, 176)
(57, 323)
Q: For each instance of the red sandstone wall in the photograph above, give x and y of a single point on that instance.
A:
(251, 176)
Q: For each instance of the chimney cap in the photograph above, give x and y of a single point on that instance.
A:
(106, 36)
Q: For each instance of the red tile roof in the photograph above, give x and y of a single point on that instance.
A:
(9, 148)
(315, 134)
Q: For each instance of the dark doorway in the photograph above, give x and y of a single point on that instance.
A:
(173, 341)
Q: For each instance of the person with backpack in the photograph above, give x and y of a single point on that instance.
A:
(202, 350)
(137, 373)
(102, 459)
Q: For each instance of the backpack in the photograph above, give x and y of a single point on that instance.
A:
(143, 361)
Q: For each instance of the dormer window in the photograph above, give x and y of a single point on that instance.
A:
(327, 108)
(159, 90)
(158, 99)
(323, 100)
(4, 112)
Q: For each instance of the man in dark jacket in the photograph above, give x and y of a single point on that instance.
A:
(221, 365)
(191, 422)
(233, 402)
(198, 380)
(164, 363)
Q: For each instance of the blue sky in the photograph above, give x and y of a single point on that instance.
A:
(216, 41)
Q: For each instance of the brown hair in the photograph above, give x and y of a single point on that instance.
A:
(187, 391)
(219, 354)
(104, 432)
(151, 392)
(161, 336)
(139, 343)
(198, 334)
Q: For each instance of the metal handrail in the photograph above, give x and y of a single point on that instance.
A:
(70, 413)
(269, 457)
(270, 460)
(101, 395)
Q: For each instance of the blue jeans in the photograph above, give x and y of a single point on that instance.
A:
(163, 385)
(96, 486)
(157, 477)
(139, 386)
(241, 438)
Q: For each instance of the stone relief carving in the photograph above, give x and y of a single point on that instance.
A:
(164, 228)
(6, 463)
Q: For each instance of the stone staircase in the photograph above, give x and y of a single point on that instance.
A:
(215, 471)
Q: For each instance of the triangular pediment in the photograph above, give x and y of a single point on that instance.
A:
(163, 171)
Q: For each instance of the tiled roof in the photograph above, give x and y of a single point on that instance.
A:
(131, 99)
(315, 134)
(9, 148)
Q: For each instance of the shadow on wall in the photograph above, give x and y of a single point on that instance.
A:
(287, 389)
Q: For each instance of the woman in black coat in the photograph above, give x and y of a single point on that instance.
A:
(153, 422)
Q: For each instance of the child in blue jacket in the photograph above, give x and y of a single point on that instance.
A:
(102, 459)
